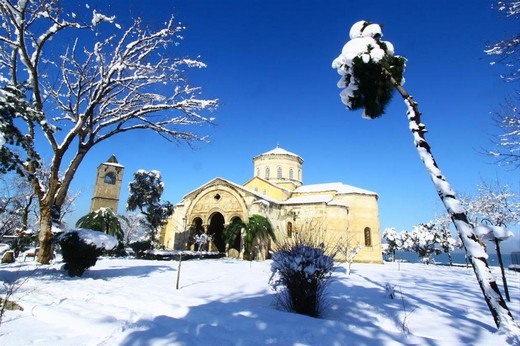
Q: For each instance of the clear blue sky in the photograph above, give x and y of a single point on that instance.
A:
(269, 63)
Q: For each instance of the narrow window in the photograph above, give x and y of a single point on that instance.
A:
(291, 173)
(368, 238)
(279, 173)
(267, 173)
(289, 229)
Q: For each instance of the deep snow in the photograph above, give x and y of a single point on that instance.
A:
(229, 302)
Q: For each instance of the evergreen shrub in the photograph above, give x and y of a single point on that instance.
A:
(77, 254)
(140, 247)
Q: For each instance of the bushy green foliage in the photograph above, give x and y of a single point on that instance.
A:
(258, 228)
(77, 254)
(375, 88)
(145, 195)
(140, 247)
(104, 220)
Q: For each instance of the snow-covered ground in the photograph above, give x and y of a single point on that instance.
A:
(230, 302)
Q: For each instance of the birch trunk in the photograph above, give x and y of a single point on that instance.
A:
(475, 252)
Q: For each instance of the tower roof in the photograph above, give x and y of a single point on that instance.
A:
(112, 159)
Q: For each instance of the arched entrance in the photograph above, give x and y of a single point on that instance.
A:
(216, 230)
(195, 229)
(238, 240)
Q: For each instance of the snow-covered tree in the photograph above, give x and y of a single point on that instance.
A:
(494, 203)
(506, 144)
(444, 237)
(68, 83)
(494, 208)
(506, 51)
(369, 73)
(145, 195)
(18, 206)
(394, 241)
(423, 240)
(132, 227)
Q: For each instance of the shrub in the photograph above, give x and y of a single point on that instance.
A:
(81, 248)
(300, 273)
(140, 247)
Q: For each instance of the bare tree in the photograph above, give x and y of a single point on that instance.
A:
(369, 74)
(506, 144)
(67, 98)
(506, 51)
(18, 205)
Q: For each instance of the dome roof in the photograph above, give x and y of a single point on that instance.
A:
(279, 151)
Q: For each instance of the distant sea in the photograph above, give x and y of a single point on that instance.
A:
(456, 257)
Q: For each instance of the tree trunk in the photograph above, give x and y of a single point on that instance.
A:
(474, 250)
(45, 237)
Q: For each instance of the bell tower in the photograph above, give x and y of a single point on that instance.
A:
(108, 185)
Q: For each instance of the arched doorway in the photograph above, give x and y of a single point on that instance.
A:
(238, 240)
(196, 229)
(216, 230)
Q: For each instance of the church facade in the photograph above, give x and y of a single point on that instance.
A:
(342, 213)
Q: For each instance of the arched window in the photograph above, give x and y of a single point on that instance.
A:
(291, 173)
(267, 173)
(110, 178)
(279, 173)
(289, 229)
(368, 237)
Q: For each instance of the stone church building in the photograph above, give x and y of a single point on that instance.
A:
(342, 212)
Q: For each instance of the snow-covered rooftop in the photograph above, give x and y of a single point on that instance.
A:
(340, 188)
(268, 199)
(279, 151)
(113, 164)
(309, 199)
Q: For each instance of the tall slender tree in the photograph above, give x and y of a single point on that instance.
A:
(369, 74)
(70, 80)
(145, 195)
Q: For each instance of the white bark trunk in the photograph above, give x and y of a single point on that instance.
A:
(474, 250)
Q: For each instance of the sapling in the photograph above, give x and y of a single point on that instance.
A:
(370, 72)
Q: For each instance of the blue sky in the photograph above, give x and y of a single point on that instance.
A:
(269, 63)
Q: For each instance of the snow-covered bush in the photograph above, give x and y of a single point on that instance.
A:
(80, 249)
(300, 273)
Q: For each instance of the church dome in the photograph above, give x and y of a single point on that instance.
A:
(279, 151)
(280, 167)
